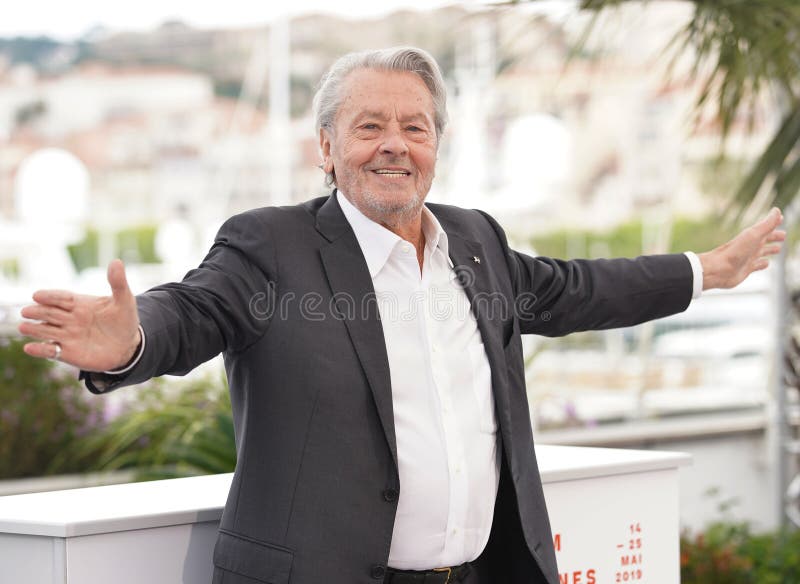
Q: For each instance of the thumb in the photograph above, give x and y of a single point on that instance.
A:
(118, 282)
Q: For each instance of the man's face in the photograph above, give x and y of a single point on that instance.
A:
(383, 147)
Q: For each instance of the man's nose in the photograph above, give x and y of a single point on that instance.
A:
(394, 142)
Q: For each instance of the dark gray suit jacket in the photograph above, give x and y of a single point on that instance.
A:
(286, 296)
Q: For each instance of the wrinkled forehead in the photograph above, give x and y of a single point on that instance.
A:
(385, 92)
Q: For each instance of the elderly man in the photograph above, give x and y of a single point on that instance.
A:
(372, 345)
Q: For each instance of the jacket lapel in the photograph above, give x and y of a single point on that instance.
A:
(349, 279)
(476, 277)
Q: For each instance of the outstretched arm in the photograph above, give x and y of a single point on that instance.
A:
(729, 264)
(96, 333)
(184, 323)
(578, 295)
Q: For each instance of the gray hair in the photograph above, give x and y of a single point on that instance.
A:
(328, 97)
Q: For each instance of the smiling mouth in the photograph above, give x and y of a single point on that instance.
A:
(391, 173)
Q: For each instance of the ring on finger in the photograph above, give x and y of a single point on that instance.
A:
(57, 346)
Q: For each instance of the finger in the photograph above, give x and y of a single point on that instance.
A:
(38, 330)
(770, 222)
(51, 314)
(777, 235)
(42, 350)
(770, 250)
(62, 298)
(761, 264)
(118, 281)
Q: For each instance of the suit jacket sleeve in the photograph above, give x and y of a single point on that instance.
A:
(556, 297)
(222, 305)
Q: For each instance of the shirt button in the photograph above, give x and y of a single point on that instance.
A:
(378, 572)
(406, 249)
(391, 494)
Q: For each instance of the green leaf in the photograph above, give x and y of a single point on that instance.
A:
(787, 184)
(741, 48)
(770, 162)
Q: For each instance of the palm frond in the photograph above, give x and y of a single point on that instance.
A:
(787, 184)
(741, 49)
(771, 164)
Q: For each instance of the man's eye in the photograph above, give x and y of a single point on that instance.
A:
(415, 129)
(370, 126)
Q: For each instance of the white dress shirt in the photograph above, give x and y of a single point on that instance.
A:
(444, 414)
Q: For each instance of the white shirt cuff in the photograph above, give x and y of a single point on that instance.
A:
(697, 273)
(136, 359)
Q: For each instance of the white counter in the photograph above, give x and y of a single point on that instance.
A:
(614, 515)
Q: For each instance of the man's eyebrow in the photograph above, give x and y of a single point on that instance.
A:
(376, 115)
(420, 117)
(371, 115)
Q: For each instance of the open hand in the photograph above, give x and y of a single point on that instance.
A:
(95, 333)
(729, 264)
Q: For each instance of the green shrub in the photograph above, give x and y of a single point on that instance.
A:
(137, 244)
(171, 430)
(133, 244)
(85, 253)
(730, 553)
(625, 240)
(44, 415)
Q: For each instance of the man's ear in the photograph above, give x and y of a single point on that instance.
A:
(325, 150)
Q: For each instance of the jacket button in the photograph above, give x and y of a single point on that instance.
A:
(378, 572)
(391, 494)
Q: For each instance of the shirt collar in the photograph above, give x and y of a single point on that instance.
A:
(377, 242)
